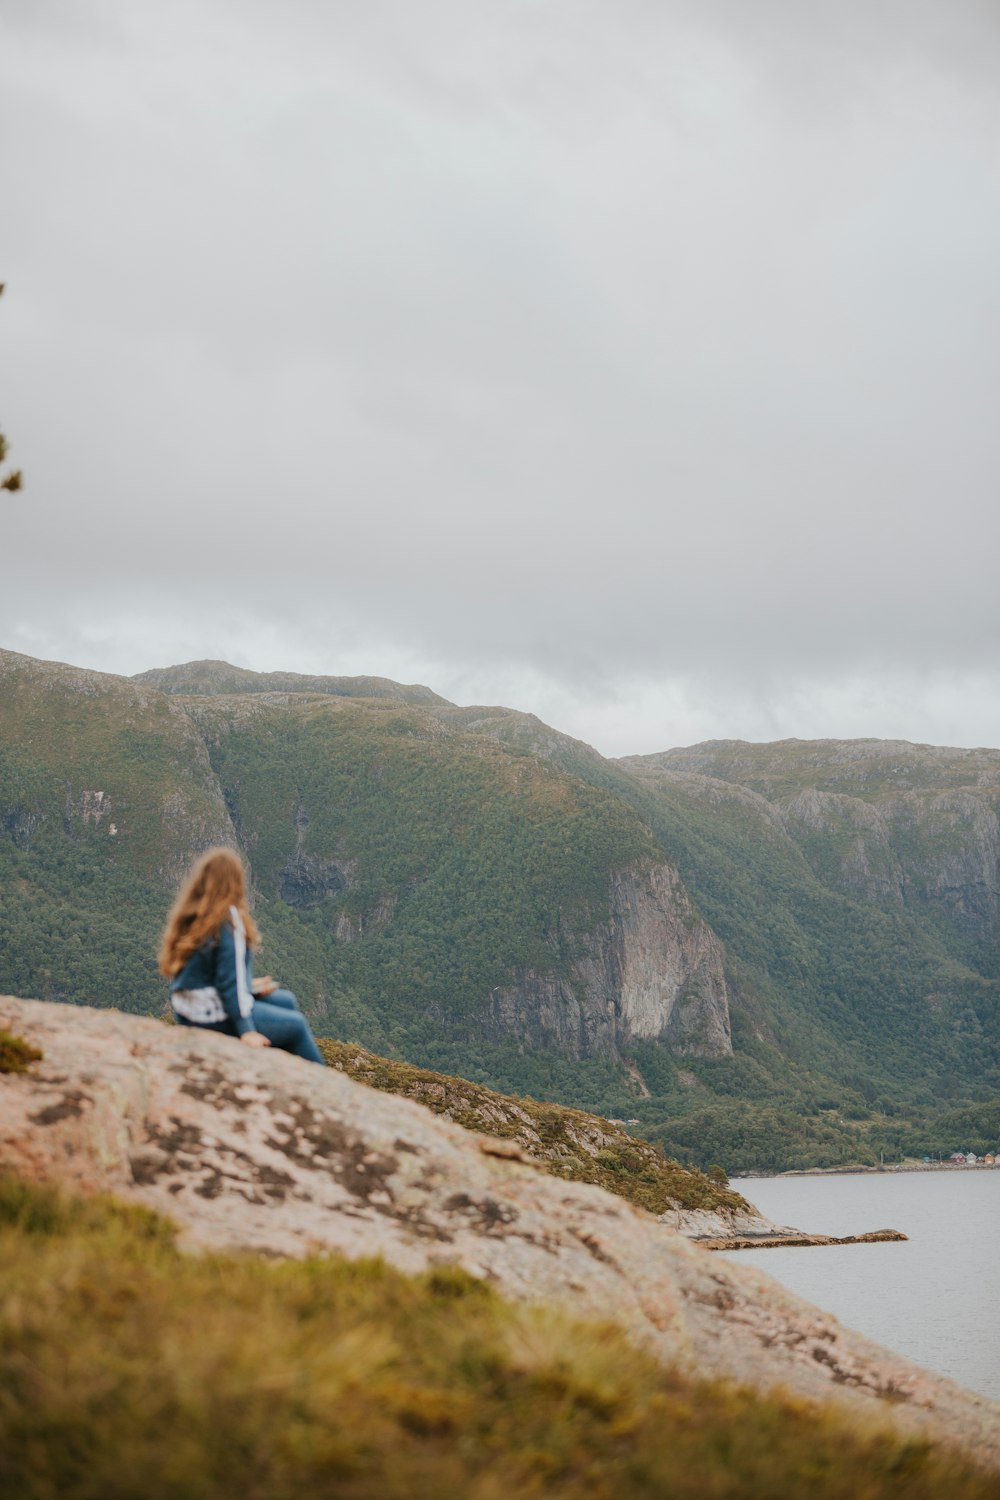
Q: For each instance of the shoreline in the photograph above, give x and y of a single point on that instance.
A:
(859, 1171)
(787, 1238)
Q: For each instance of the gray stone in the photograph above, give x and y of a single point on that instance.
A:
(653, 970)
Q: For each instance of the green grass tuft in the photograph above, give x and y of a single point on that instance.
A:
(41, 1209)
(16, 1055)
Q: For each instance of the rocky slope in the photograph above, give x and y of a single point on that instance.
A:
(260, 1151)
(580, 1147)
(569, 1143)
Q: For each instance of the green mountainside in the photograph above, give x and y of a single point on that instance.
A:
(105, 789)
(861, 927)
(404, 871)
(767, 955)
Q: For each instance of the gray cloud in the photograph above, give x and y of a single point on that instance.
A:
(641, 359)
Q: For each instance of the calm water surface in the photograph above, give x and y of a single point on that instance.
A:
(935, 1298)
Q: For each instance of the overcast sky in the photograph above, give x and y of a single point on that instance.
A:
(636, 363)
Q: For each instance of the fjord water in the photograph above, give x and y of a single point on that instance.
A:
(935, 1299)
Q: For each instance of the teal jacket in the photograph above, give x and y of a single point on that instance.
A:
(215, 986)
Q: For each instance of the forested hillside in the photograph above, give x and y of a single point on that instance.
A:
(881, 1009)
(767, 955)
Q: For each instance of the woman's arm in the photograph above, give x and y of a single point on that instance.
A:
(231, 978)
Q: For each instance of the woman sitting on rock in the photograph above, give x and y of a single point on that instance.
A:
(205, 954)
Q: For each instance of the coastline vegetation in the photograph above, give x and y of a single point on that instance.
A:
(568, 1143)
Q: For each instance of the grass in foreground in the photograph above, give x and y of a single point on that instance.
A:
(128, 1369)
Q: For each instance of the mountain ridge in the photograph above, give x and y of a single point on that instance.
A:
(210, 677)
(470, 889)
(255, 1151)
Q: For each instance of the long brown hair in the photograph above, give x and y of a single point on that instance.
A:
(216, 883)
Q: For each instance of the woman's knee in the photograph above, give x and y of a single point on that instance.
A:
(304, 1043)
(284, 998)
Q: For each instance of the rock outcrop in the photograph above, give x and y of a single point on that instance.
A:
(653, 971)
(732, 1228)
(257, 1150)
(748, 1229)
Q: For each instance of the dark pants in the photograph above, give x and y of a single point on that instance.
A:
(280, 1020)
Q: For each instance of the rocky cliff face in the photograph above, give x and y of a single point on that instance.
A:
(652, 971)
(259, 1151)
(948, 846)
(908, 826)
(937, 850)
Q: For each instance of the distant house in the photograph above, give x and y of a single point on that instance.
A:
(989, 1159)
(971, 1158)
(958, 1157)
